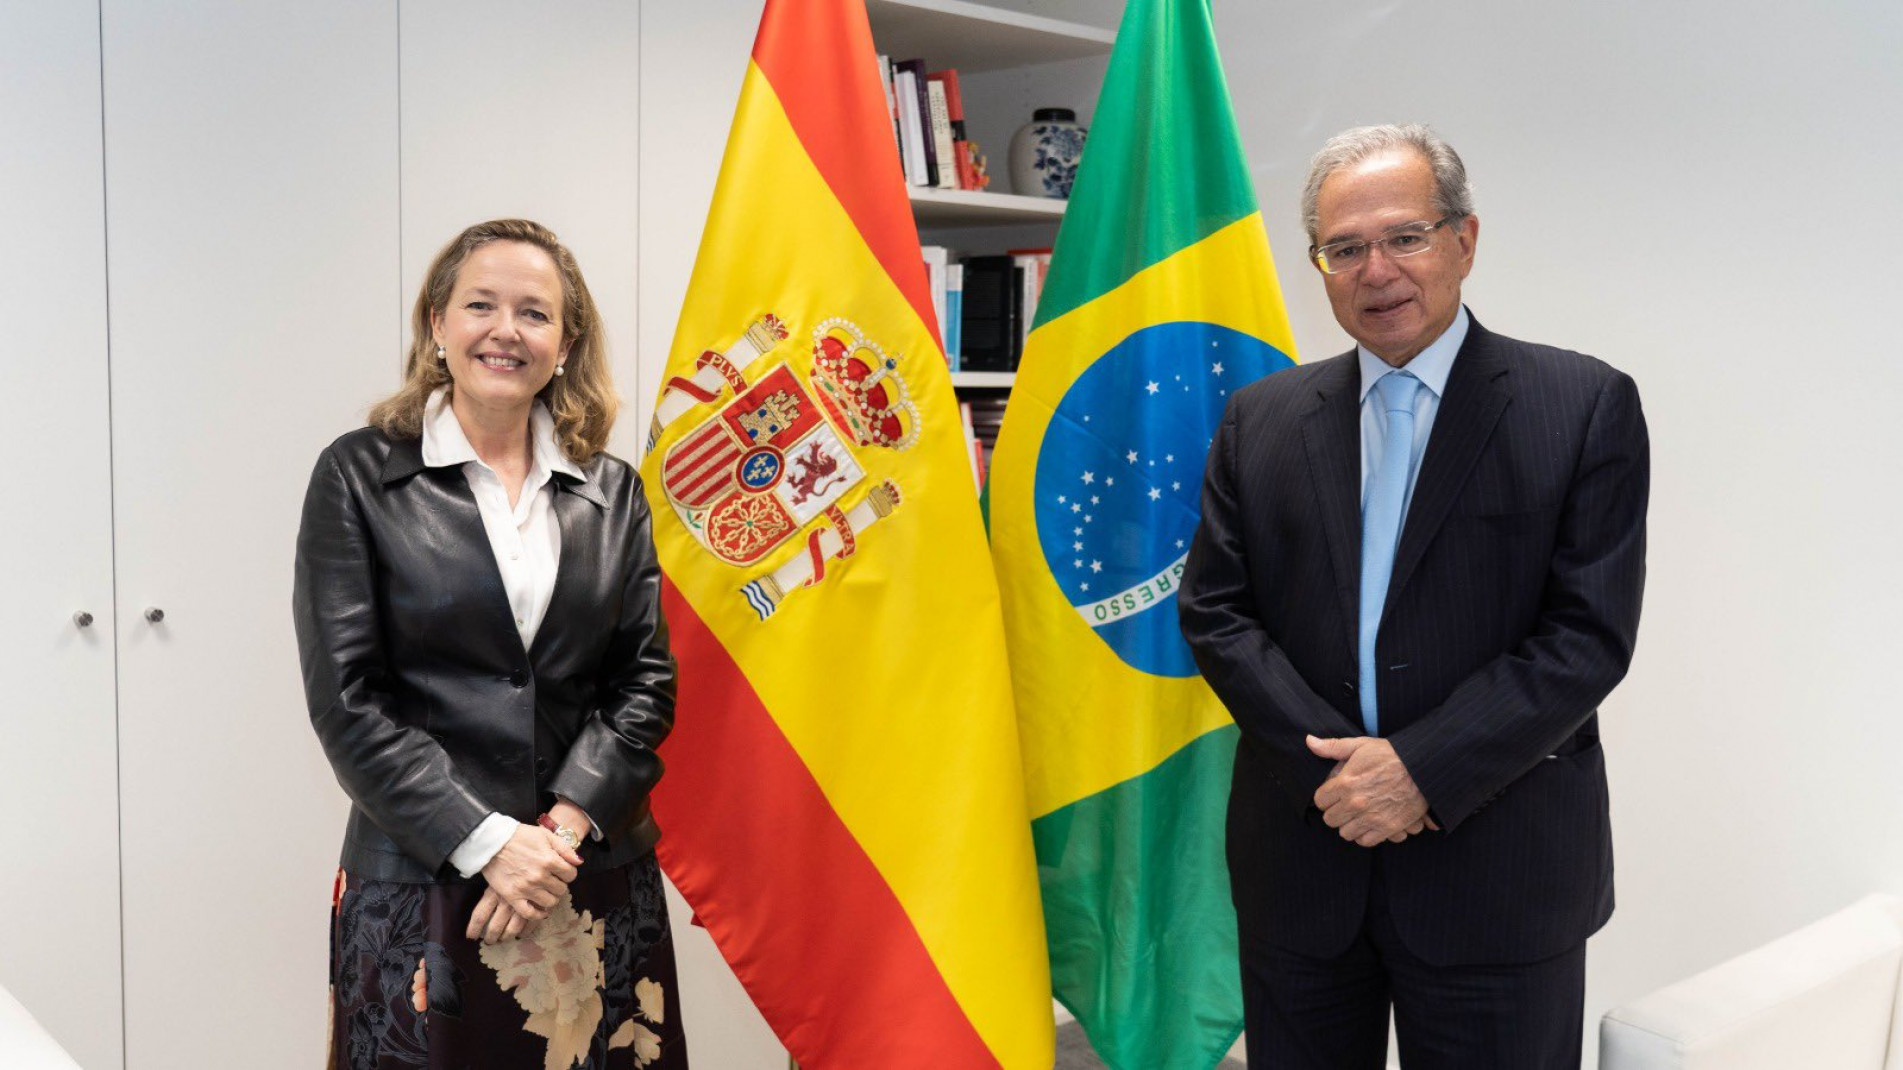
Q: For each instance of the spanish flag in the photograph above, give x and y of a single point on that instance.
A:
(1161, 302)
(844, 803)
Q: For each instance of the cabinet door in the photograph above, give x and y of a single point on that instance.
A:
(251, 180)
(58, 755)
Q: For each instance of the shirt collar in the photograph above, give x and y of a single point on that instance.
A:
(1431, 366)
(444, 443)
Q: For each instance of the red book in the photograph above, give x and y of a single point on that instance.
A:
(954, 102)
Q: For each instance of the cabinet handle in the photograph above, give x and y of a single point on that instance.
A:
(83, 619)
(154, 615)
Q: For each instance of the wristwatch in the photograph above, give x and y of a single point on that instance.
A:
(562, 832)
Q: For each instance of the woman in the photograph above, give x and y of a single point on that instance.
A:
(478, 616)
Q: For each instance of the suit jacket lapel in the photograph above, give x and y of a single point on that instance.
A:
(1331, 436)
(1477, 392)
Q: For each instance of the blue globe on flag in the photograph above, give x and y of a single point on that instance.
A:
(1119, 479)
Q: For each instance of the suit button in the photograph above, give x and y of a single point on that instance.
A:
(519, 678)
(541, 765)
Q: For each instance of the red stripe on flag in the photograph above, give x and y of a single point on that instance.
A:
(818, 56)
(810, 927)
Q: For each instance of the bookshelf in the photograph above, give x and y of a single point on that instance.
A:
(977, 38)
(981, 208)
(1009, 63)
(983, 380)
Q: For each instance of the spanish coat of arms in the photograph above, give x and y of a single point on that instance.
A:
(777, 462)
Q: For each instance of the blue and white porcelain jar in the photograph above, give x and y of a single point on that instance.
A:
(1044, 153)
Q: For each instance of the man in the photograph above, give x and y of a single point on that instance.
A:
(1418, 573)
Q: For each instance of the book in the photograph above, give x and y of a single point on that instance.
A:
(1033, 266)
(990, 330)
(913, 70)
(937, 260)
(892, 114)
(955, 115)
(911, 135)
(1020, 325)
(974, 451)
(942, 135)
(954, 100)
(954, 314)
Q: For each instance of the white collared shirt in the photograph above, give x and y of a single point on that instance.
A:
(526, 540)
(525, 537)
(1431, 366)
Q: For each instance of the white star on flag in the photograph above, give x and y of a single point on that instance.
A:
(1131, 456)
(1155, 494)
(1090, 477)
(1153, 387)
(1096, 566)
(1216, 368)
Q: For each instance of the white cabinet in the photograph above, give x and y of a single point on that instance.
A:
(251, 203)
(58, 756)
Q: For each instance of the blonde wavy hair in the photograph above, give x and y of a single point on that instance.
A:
(582, 399)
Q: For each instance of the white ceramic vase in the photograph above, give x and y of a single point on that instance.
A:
(1044, 153)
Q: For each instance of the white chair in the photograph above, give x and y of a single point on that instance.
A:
(1821, 998)
(23, 1044)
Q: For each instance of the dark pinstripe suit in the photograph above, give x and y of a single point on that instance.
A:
(1512, 612)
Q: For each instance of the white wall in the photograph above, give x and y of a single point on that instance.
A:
(1703, 194)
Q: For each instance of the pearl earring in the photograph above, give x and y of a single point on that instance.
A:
(561, 370)
(439, 353)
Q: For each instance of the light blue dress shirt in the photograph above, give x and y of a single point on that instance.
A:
(1431, 366)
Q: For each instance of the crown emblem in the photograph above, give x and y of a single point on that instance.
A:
(862, 388)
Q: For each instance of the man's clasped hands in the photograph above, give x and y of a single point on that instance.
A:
(1369, 797)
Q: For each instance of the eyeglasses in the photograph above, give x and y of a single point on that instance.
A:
(1407, 239)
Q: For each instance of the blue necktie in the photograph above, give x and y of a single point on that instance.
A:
(1381, 525)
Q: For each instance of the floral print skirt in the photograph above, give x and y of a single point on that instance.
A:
(591, 988)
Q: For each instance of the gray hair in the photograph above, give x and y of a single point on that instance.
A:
(1452, 195)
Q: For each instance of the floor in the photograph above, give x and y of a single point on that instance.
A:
(1073, 1051)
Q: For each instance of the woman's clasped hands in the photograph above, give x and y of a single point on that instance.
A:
(526, 878)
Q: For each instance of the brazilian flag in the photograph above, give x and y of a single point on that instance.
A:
(1161, 302)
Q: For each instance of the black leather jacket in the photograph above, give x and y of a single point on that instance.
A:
(431, 713)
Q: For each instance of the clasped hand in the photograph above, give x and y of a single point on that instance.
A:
(528, 876)
(1369, 797)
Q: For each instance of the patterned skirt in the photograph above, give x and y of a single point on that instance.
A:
(592, 988)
